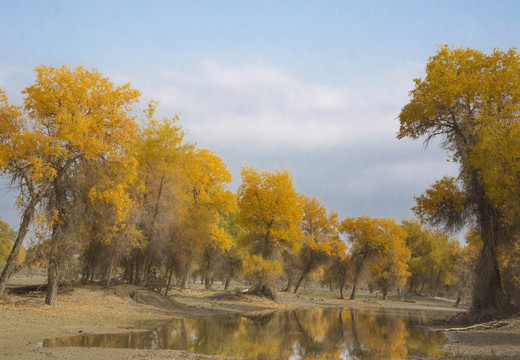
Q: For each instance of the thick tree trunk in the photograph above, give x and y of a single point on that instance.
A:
(27, 217)
(261, 288)
(487, 292)
(226, 286)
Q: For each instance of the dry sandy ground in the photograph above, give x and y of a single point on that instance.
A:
(25, 321)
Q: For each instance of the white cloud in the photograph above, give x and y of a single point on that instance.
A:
(264, 106)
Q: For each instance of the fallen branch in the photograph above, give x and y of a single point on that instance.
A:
(483, 326)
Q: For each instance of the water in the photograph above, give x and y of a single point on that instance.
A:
(320, 333)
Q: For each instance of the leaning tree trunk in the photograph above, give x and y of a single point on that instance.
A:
(302, 277)
(27, 217)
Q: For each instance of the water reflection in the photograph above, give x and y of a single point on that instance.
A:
(329, 333)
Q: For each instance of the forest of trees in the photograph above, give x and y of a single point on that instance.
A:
(104, 192)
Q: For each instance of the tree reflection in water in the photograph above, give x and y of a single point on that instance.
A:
(330, 333)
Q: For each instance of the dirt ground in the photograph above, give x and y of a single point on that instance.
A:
(91, 309)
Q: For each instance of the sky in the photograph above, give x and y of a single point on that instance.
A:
(314, 87)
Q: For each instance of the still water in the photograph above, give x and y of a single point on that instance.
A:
(320, 333)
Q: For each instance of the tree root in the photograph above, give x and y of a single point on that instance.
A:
(262, 291)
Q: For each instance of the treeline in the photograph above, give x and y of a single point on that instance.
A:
(108, 192)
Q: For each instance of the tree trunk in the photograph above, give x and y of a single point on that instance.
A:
(169, 281)
(458, 300)
(27, 217)
(227, 283)
(355, 282)
(185, 276)
(109, 273)
(261, 288)
(289, 285)
(52, 280)
(412, 283)
(422, 285)
(57, 241)
(302, 277)
(487, 291)
(137, 269)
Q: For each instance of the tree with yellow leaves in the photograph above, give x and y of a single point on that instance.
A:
(320, 238)
(376, 240)
(209, 198)
(159, 193)
(388, 270)
(70, 117)
(270, 215)
(472, 100)
(7, 236)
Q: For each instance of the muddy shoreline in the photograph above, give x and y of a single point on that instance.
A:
(25, 321)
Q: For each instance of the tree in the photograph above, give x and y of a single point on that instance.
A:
(7, 237)
(419, 241)
(471, 100)
(160, 191)
(19, 162)
(372, 239)
(321, 238)
(71, 117)
(388, 270)
(198, 229)
(270, 215)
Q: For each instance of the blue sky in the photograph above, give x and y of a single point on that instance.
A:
(312, 86)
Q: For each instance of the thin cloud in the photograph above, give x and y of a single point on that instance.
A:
(261, 105)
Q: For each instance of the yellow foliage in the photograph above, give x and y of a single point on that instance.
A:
(257, 268)
(220, 239)
(269, 210)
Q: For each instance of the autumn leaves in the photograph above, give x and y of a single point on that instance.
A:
(108, 191)
(131, 195)
(471, 101)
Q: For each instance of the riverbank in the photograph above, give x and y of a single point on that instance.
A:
(25, 321)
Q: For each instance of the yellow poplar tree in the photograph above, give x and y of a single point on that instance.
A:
(70, 117)
(372, 239)
(159, 192)
(209, 198)
(320, 237)
(270, 214)
(471, 100)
